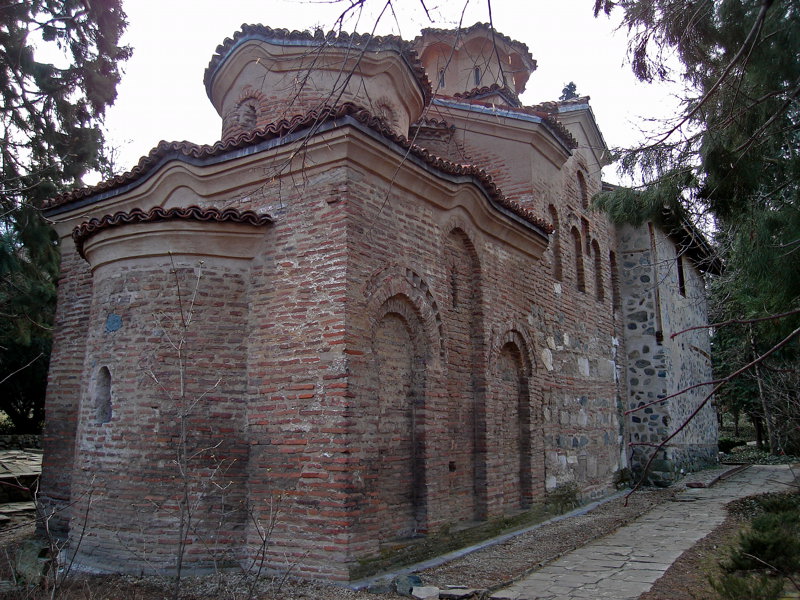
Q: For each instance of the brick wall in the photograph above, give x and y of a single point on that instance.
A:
(64, 387)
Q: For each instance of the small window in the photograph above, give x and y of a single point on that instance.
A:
(556, 237)
(477, 73)
(441, 78)
(102, 396)
(248, 114)
(681, 274)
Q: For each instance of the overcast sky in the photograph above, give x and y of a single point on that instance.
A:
(162, 95)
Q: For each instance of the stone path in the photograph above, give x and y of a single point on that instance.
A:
(19, 470)
(625, 564)
(14, 463)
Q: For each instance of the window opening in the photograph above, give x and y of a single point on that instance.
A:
(599, 290)
(477, 74)
(102, 396)
(557, 271)
(580, 280)
(681, 274)
(583, 190)
(248, 114)
(615, 297)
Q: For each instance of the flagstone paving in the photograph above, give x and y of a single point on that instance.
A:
(625, 564)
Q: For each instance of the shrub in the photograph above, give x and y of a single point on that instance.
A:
(726, 444)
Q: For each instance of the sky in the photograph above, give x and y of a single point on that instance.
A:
(162, 97)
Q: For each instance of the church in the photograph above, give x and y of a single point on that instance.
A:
(380, 307)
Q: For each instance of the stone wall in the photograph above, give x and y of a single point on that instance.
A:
(657, 305)
(20, 442)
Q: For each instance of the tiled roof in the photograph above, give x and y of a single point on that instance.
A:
(518, 46)
(556, 106)
(192, 213)
(284, 127)
(506, 92)
(433, 123)
(319, 39)
(549, 118)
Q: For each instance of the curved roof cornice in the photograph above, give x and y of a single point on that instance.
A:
(286, 131)
(520, 47)
(284, 37)
(159, 214)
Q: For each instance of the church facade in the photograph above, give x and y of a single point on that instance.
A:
(379, 307)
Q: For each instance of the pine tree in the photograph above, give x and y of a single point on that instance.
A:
(59, 68)
(569, 92)
(733, 154)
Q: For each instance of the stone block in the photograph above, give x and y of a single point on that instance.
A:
(426, 592)
(404, 584)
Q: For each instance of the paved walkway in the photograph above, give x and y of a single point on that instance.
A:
(625, 564)
(14, 463)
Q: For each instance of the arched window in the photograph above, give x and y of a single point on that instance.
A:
(557, 273)
(512, 412)
(599, 289)
(580, 278)
(248, 114)
(583, 191)
(102, 396)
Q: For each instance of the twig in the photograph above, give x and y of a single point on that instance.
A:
(790, 313)
(10, 375)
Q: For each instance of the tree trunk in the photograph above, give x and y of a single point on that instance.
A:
(759, 427)
(765, 407)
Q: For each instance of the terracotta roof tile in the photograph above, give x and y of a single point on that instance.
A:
(489, 90)
(194, 213)
(433, 123)
(317, 38)
(537, 111)
(284, 127)
(518, 46)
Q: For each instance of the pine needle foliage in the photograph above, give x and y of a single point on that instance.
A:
(59, 68)
(732, 155)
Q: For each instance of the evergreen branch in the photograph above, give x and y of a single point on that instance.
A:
(775, 115)
(756, 28)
